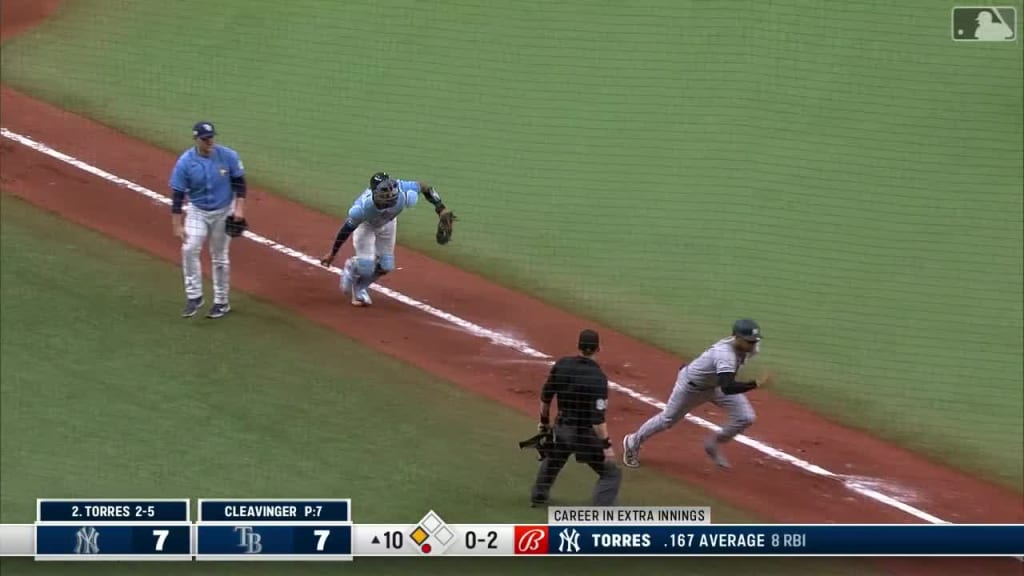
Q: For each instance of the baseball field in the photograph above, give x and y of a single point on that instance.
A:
(847, 175)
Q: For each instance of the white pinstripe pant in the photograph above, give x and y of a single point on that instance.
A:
(200, 225)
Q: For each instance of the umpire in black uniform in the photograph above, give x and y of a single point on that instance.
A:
(582, 391)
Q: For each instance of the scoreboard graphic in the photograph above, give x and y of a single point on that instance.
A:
(242, 530)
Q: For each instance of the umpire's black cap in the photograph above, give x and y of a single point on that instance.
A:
(589, 341)
(747, 329)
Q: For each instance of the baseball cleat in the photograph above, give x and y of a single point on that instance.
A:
(218, 310)
(361, 297)
(191, 307)
(711, 449)
(630, 456)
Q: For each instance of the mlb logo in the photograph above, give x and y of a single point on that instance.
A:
(984, 24)
(531, 540)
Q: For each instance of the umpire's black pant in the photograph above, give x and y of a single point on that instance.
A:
(582, 442)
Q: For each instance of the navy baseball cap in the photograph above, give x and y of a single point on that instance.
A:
(203, 130)
(747, 329)
(589, 340)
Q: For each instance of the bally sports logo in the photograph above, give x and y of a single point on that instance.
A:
(531, 540)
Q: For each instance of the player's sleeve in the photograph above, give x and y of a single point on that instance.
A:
(411, 189)
(725, 362)
(179, 176)
(179, 186)
(359, 211)
(726, 367)
(235, 165)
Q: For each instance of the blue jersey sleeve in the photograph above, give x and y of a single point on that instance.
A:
(179, 176)
(359, 210)
(235, 164)
(411, 190)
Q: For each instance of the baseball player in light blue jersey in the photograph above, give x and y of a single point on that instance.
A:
(372, 223)
(212, 177)
(711, 377)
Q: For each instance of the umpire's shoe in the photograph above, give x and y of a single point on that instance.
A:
(191, 307)
(218, 310)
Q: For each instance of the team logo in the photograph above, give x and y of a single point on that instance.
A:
(249, 539)
(531, 540)
(569, 540)
(87, 541)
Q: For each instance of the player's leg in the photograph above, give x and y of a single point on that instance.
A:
(741, 417)
(364, 240)
(195, 235)
(550, 467)
(220, 244)
(385, 249)
(684, 398)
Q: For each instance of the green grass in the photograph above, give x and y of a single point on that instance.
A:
(848, 175)
(106, 392)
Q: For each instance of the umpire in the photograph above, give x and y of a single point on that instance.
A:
(582, 391)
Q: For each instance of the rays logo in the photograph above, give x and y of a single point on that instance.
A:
(249, 539)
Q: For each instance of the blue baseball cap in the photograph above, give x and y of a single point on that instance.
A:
(203, 130)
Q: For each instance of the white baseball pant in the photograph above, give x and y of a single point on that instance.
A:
(200, 225)
(375, 251)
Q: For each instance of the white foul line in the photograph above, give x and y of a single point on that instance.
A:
(494, 337)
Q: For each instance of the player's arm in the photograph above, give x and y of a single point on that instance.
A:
(179, 186)
(432, 196)
(729, 385)
(552, 386)
(238, 185)
(356, 216)
(346, 230)
(726, 367)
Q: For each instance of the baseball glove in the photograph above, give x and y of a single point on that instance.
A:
(234, 226)
(445, 222)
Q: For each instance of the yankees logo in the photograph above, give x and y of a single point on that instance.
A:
(531, 540)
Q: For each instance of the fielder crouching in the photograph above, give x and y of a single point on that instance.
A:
(582, 391)
(372, 223)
